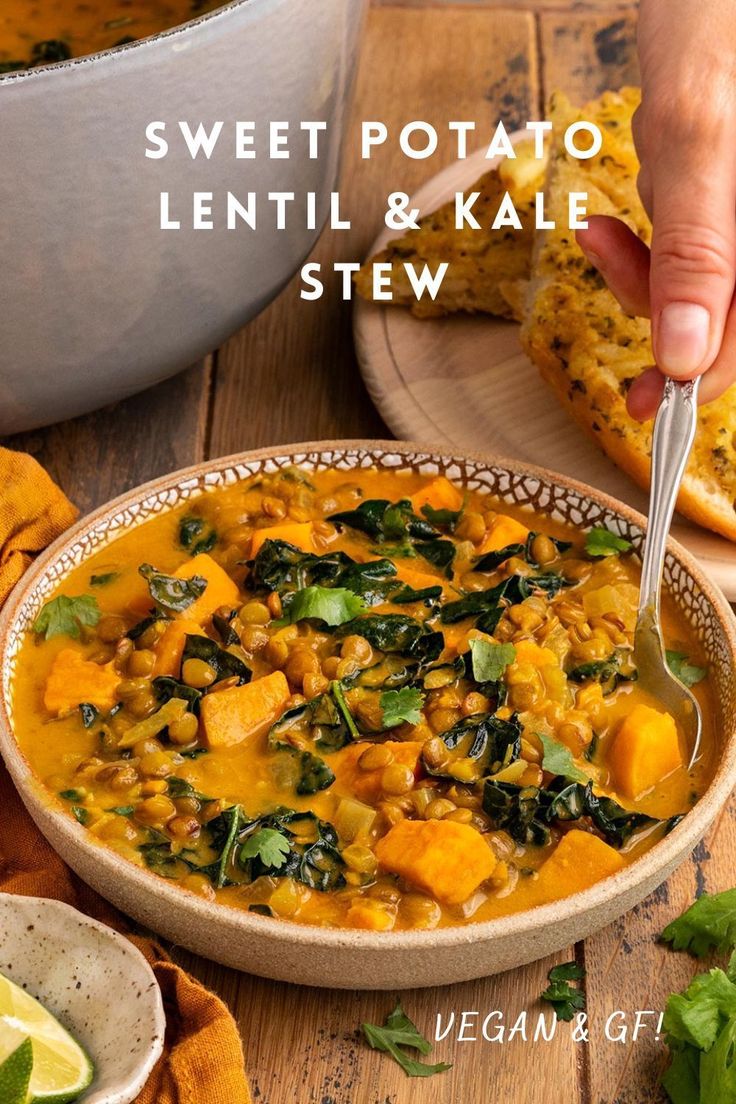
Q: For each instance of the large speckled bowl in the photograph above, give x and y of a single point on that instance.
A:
(75, 967)
(346, 958)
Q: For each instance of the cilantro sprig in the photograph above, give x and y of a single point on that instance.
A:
(332, 605)
(399, 1031)
(700, 1023)
(558, 760)
(600, 541)
(64, 616)
(490, 660)
(399, 706)
(709, 924)
(566, 999)
(268, 845)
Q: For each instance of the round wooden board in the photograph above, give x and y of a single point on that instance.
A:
(464, 381)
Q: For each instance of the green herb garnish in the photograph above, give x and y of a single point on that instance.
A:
(490, 660)
(558, 760)
(399, 706)
(565, 999)
(602, 542)
(268, 845)
(399, 1031)
(64, 615)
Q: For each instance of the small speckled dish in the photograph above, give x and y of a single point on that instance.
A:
(74, 966)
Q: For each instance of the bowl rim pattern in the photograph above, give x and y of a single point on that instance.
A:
(165, 492)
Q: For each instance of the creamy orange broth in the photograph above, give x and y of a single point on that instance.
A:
(465, 862)
(39, 31)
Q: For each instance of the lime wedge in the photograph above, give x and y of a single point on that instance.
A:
(61, 1070)
(15, 1074)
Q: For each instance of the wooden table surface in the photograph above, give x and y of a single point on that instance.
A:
(291, 375)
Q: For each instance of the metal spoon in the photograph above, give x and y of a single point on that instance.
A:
(674, 431)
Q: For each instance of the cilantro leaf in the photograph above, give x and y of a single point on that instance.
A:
(80, 813)
(681, 1081)
(333, 605)
(709, 924)
(401, 705)
(681, 667)
(400, 1031)
(558, 760)
(602, 542)
(490, 660)
(718, 1068)
(268, 845)
(565, 999)
(697, 1015)
(63, 615)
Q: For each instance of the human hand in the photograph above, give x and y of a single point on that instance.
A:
(684, 135)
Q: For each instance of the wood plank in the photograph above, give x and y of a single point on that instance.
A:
(291, 375)
(100, 455)
(523, 5)
(584, 54)
(316, 1055)
(629, 970)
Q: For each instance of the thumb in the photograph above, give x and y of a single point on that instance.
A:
(693, 263)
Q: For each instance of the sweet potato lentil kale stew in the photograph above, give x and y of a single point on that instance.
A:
(39, 32)
(366, 700)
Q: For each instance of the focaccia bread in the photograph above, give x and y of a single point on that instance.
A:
(586, 348)
(485, 265)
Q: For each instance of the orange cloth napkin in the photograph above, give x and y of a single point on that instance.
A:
(202, 1061)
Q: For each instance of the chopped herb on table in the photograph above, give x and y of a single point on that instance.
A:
(397, 1032)
(566, 999)
(700, 1023)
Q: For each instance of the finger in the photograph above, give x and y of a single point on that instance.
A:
(693, 259)
(722, 373)
(645, 392)
(645, 395)
(644, 188)
(622, 260)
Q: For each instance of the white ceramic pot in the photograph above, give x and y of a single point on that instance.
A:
(96, 301)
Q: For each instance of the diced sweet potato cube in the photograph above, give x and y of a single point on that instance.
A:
(440, 494)
(370, 916)
(502, 532)
(170, 646)
(300, 534)
(527, 651)
(231, 716)
(220, 589)
(74, 679)
(578, 862)
(645, 750)
(366, 784)
(446, 859)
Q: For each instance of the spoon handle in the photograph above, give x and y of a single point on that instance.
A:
(672, 439)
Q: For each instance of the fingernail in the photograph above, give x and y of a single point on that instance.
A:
(683, 335)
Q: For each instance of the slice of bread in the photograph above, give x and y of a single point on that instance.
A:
(586, 348)
(482, 263)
